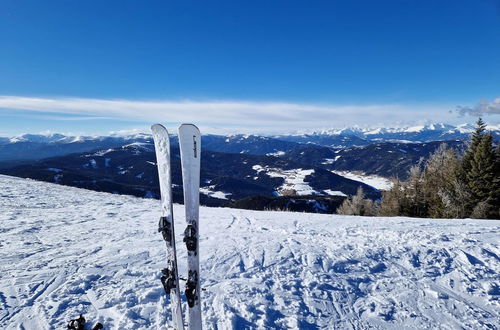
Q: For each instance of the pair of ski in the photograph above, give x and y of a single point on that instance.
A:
(189, 143)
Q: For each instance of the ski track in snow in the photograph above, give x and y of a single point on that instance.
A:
(66, 251)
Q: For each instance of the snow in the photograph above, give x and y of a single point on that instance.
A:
(102, 152)
(401, 141)
(328, 161)
(376, 131)
(373, 180)
(215, 194)
(294, 180)
(276, 154)
(334, 192)
(139, 147)
(66, 251)
(77, 139)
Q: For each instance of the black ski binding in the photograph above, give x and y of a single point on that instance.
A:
(190, 238)
(165, 227)
(77, 324)
(190, 292)
(168, 280)
(98, 326)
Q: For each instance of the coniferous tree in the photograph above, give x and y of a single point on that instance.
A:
(467, 161)
(475, 139)
(495, 191)
(449, 187)
(473, 144)
(481, 174)
(483, 179)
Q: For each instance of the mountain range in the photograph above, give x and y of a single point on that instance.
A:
(226, 177)
(38, 146)
(296, 172)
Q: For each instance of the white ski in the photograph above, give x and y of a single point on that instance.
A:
(170, 277)
(190, 147)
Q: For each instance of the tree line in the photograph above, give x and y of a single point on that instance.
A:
(446, 185)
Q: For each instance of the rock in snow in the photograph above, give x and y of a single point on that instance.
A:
(66, 251)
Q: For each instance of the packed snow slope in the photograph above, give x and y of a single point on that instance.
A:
(66, 251)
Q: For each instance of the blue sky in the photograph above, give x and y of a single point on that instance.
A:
(97, 66)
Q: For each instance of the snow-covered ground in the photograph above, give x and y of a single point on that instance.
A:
(375, 181)
(66, 251)
(294, 180)
(215, 194)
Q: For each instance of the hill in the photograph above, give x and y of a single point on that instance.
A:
(225, 177)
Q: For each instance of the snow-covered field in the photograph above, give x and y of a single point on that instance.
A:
(375, 181)
(294, 180)
(66, 251)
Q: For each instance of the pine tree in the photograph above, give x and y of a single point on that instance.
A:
(483, 179)
(473, 144)
(495, 190)
(481, 174)
(467, 165)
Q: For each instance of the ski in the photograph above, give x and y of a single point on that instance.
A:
(190, 147)
(170, 278)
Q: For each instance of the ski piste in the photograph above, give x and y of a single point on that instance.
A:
(170, 278)
(190, 147)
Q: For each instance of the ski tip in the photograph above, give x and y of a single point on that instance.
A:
(158, 127)
(188, 126)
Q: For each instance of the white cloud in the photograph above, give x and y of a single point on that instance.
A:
(482, 108)
(263, 116)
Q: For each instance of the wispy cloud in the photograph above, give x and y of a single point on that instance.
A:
(482, 108)
(276, 115)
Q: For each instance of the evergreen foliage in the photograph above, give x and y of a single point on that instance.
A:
(450, 187)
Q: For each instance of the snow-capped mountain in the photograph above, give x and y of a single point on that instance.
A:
(235, 169)
(37, 146)
(357, 136)
(68, 251)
